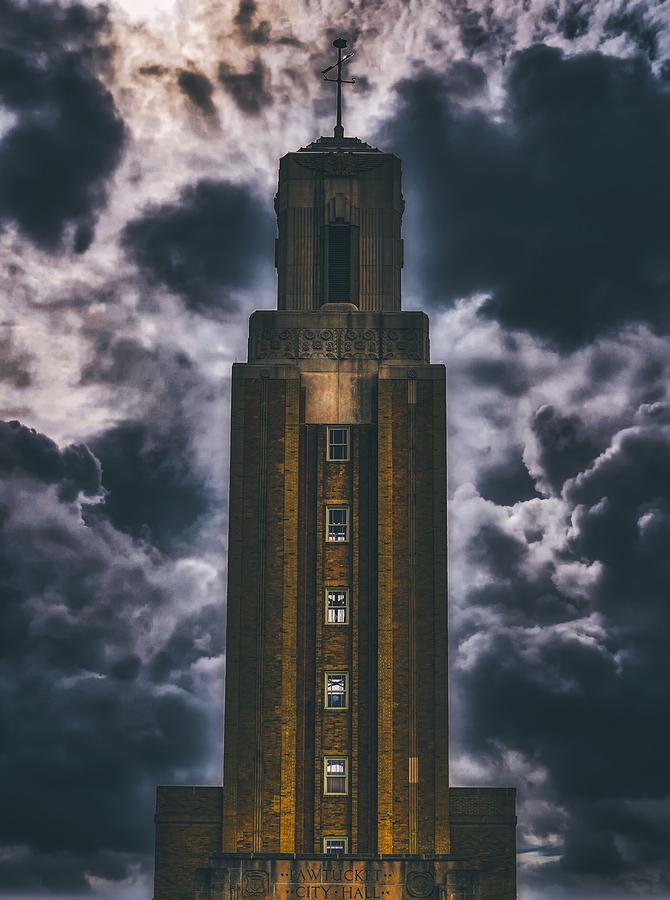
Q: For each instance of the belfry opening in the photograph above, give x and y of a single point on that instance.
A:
(336, 748)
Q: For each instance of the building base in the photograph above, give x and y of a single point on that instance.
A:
(191, 866)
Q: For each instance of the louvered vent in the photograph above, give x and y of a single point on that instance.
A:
(339, 262)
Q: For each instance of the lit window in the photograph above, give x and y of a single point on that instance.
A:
(338, 444)
(335, 775)
(337, 685)
(337, 606)
(337, 523)
(335, 844)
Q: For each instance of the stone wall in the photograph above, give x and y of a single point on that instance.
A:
(483, 829)
(188, 831)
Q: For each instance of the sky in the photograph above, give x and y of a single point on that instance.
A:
(139, 144)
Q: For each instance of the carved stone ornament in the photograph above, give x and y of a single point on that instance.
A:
(402, 343)
(337, 343)
(275, 344)
(359, 343)
(255, 884)
(319, 343)
(420, 884)
(340, 163)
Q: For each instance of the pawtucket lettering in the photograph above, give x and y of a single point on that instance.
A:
(336, 882)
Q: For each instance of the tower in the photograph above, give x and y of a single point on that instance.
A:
(336, 781)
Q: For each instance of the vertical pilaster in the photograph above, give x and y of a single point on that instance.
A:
(236, 505)
(413, 763)
(260, 624)
(440, 544)
(289, 618)
(385, 780)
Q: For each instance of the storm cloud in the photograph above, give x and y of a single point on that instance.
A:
(65, 137)
(536, 236)
(557, 210)
(204, 245)
(87, 621)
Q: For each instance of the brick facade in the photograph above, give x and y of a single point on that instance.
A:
(366, 367)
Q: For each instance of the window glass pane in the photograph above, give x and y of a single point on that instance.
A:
(338, 444)
(335, 845)
(338, 522)
(336, 690)
(336, 776)
(337, 612)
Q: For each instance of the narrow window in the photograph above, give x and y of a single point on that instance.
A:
(339, 262)
(335, 775)
(337, 606)
(338, 444)
(337, 523)
(337, 690)
(334, 844)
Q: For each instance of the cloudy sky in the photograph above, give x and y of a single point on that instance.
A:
(138, 158)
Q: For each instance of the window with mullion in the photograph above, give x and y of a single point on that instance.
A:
(335, 843)
(336, 690)
(335, 775)
(338, 444)
(337, 523)
(337, 606)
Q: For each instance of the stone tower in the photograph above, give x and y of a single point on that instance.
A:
(336, 758)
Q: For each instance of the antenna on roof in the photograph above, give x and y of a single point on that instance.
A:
(340, 43)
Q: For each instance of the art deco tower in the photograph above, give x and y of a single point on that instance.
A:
(336, 755)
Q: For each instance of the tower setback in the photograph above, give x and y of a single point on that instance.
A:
(336, 753)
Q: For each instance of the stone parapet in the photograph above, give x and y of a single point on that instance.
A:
(346, 877)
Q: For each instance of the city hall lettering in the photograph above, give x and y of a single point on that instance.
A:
(335, 891)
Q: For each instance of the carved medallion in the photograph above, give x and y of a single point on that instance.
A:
(318, 343)
(402, 343)
(420, 884)
(359, 343)
(275, 344)
(255, 884)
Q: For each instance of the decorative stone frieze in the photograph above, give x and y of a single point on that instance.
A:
(345, 164)
(290, 344)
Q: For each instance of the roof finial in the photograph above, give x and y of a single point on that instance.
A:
(340, 43)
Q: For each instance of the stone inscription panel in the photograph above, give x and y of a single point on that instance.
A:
(338, 881)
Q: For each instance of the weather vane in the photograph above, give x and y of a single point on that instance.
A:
(340, 43)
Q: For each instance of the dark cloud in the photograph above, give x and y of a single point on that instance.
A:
(574, 22)
(198, 88)
(25, 451)
(507, 375)
(152, 489)
(481, 31)
(506, 481)
(565, 445)
(204, 245)
(634, 23)
(259, 33)
(58, 156)
(558, 211)
(251, 31)
(86, 621)
(250, 89)
(572, 670)
(16, 365)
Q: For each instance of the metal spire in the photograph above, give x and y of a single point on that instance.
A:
(340, 43)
